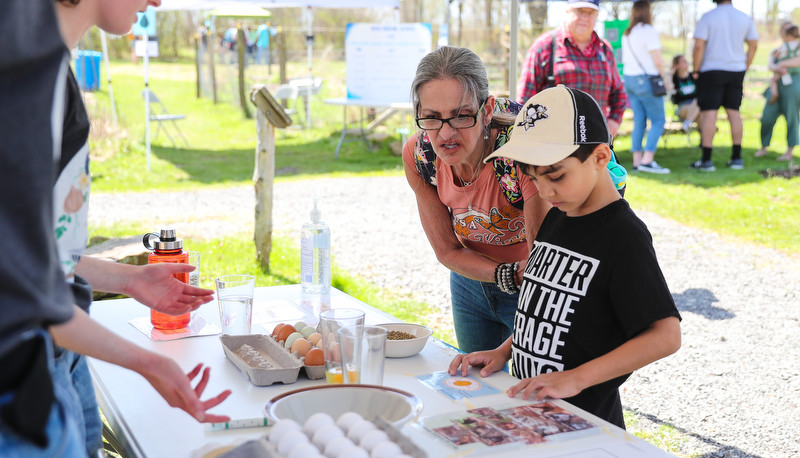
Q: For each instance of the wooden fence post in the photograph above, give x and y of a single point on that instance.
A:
(269, 114)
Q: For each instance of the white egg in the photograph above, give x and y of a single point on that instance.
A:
(358, 429)
(303, 451)
(325, 434)
(291, 439)
(346, 420)
(372, 438)
(386, 449)
(334, 447)
(317, 421)
(280, 428)
(353, 452)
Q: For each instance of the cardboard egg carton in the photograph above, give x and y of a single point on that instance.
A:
(271, 363)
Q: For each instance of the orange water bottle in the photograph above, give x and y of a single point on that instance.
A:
(166, 247)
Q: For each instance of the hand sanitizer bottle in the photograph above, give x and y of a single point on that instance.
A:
(315, 255)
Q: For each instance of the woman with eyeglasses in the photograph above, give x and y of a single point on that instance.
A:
(481, 219)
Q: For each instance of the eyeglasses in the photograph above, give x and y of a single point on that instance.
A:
(456, 122)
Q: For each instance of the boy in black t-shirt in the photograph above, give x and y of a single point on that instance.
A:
(594, 305)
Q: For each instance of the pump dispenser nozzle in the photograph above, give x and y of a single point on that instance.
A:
(316, 215)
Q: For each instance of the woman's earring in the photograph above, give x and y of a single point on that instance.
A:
(486, 133)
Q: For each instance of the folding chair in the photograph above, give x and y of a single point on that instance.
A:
(290, 94)
(159, 113)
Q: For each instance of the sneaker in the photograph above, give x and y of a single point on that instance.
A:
(736, 164)
(653, 167)
(635, 169)
(703, 166)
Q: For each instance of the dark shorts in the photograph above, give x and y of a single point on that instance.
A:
(718, 88)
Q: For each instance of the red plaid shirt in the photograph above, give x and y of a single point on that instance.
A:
(593, 71)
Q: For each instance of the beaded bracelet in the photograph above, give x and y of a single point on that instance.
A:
(504, 277)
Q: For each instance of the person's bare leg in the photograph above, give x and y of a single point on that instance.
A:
(735, 119)
(708, 125)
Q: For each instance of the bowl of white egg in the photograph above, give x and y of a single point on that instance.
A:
(395, 406)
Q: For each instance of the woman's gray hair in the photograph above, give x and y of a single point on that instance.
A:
(449, 62)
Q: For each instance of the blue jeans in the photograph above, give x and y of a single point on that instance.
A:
(72, 373)
(482, 314)
(63, 436)
(262, 54)
(645, 106)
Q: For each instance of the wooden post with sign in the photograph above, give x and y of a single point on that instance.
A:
(269, 115)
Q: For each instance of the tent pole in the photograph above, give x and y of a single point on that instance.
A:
(512, 50)
(104, 42)
(310, 48)
(146, 100)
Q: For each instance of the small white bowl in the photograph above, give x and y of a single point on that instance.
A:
(407, 347)
(370, 401)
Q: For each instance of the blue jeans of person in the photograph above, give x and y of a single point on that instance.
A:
(645, 106)
(262, 53)
(63, 436)
(72, 372)
(483, 315)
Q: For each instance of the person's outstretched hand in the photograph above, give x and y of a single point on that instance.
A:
(154, 286)
(491, 361)
(175, 387)
(555, 385)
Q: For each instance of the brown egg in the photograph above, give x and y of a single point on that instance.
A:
(285, 332)
(315, 338)
(301, 346)
(277, 329)
(315, 357)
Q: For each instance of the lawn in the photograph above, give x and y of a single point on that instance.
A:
(740, 204)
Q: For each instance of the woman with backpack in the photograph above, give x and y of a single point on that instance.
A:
(481, 219)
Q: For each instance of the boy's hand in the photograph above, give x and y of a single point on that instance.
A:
(556, 385)
(491, 361)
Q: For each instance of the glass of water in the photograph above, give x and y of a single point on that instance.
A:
(235, 297)
(194, 260)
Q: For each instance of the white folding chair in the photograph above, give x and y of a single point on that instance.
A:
(290, 94)
(160, 114)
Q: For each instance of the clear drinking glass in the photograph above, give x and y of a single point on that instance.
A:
(235, 297)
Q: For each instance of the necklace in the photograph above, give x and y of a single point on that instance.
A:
(468, 184)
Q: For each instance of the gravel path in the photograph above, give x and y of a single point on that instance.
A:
(732, 390)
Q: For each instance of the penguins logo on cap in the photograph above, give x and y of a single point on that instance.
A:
(533, 113)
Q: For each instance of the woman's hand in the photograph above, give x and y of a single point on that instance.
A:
(175, 387)
(154, 286)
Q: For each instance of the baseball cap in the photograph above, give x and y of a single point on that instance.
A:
(552, 125)
(593, 4)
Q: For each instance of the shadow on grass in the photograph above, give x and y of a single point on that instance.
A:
(677, 159)
(721, 450)
(293, 156)
(701, 301)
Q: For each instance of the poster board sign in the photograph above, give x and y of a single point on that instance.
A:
(381, 60)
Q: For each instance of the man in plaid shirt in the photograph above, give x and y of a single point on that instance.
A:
(582, 61)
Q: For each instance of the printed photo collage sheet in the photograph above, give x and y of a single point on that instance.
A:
(486, 427)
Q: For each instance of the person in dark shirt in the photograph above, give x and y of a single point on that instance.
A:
(684, 95)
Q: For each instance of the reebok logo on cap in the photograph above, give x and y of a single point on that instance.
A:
(554, 123)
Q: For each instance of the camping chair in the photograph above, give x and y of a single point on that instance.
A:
(290, 94)
(159, 113)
